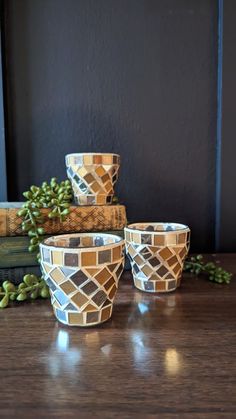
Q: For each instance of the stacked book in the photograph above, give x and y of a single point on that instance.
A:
(15, 259)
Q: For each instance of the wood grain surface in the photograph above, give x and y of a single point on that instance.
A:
(170, 355)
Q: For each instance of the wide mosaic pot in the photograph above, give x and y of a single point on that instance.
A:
(157, 252)
(93, 177)
(82, 272)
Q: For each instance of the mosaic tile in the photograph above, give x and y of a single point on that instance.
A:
(154, 261)
(106, 313)
(51, 284)
(92, 317)
(68, 287)
(102, 276)
(109, 283)
(100, 171)
(182, 238)
(172, 260)
(88, 258)
(78, 278)
(89, 307)
(172, 284)
(104, 256)
(89, 288)
(116, 253)
(70, 307)
(67, 272)
(75, 318)
(112, 292)
(148, 286)
(165, 253)
(61, 315)
(46, 267)
(89, 178)
(46, 255)
(107, 303)
(79, 299)
(160, 286)
(162, 271)
(99, 298)
(159, 240)
(57, 257)
(74, 241)
(61, 297)
(57, 275)
(71, 259)
(120, 270)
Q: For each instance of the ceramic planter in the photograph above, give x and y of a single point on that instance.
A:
(82, 272)
(157, 252)
(93, 177)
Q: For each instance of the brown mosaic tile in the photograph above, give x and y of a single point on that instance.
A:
(107, 303)
(103, 276)
(88, 258)
(139, 260)
(172, 261)
(171, 239)
(160, 285)
(183, 252)
(116, 253)
(89, 288)
(162, 271)
(112, 292)
(177, 268)
(106, 312)
(79, 278)
(92, 317)
(165, 253)
(71, 259)
(146, 270)
(100, 171)
(172, 285)
(99, 298)
(112, 267)
(87, 241)
(89, 307)
(105, 178)
(89, 178)
(159, 240)
(95, 187)
(79, 299)
(154, 262)
(75, 318)
(104, 256)
(68, 287)
(109, 284)
(97, 159)
(182, 238)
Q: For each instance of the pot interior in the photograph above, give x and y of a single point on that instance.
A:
(82, 240)
(158, 227)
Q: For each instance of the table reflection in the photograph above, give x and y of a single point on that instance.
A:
(173, 362)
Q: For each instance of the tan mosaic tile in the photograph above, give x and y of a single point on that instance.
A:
(88, 258)
(68, 287)
(57, 257)
(79, 299)
(57, 276)
(75, 318)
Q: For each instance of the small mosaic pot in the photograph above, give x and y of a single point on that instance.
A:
(157, 252)
(93, 177)
(82, 272)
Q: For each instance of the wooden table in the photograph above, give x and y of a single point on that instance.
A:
(171, 355)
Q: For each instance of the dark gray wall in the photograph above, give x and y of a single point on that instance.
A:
(135, 77)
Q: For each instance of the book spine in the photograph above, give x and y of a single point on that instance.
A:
(87, 218)
(15, 275)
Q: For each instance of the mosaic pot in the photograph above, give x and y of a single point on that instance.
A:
(157, 252)
(82, 272)
(93, 177)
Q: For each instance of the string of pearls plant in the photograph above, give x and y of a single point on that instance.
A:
(58, 198)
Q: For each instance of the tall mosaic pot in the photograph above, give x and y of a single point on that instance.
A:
(82, 272)
(93, 177)
(157, 252)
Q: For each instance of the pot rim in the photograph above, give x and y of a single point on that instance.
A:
(183, 228)
(92, 154)
(119, 242)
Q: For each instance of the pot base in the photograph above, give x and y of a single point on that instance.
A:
(85, 319)
(156, 286)
(93, 199)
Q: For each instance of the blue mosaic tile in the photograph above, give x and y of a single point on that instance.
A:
(61, 297)
(61, 315)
